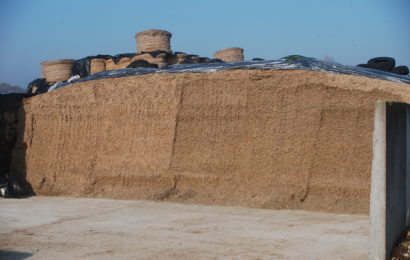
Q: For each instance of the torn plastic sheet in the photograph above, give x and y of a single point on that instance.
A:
(302, 64)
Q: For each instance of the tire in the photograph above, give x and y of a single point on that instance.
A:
(382, 63)
(363, 65)
(401, 70)
(141, 64)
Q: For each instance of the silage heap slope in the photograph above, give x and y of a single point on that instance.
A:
(256, 138)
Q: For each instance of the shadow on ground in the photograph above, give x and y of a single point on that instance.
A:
(13, 255)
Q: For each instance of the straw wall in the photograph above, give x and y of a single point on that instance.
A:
(255, 138)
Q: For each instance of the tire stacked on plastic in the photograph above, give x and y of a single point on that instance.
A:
(385, 64)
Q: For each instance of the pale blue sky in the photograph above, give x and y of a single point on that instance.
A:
(350, 31)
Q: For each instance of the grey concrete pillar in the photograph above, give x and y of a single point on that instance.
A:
(377, 237)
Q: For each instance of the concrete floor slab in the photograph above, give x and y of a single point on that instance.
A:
(77, 228)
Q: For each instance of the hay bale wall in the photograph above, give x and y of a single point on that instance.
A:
(57, 70)
(153, 40)
(269, 139)
(234, 54)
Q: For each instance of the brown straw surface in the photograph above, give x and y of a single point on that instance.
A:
(110, 65)
(160, 59)
(97, 65)
(152, 40)
(230, 54)
(57, 70)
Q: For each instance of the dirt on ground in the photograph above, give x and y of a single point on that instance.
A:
(255, 138)
(72, 228)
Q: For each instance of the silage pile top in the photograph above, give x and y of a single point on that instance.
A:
(302, 64)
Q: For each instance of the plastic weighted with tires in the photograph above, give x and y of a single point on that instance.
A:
(382, 63)
(401, 70)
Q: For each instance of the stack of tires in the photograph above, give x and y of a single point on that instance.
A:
(385, 64)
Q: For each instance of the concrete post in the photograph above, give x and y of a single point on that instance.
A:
(377, 232)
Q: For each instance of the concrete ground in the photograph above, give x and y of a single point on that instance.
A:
(75, 228)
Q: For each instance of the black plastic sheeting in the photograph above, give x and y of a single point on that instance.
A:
(302, 64)
(41, 85)
(81, 67)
